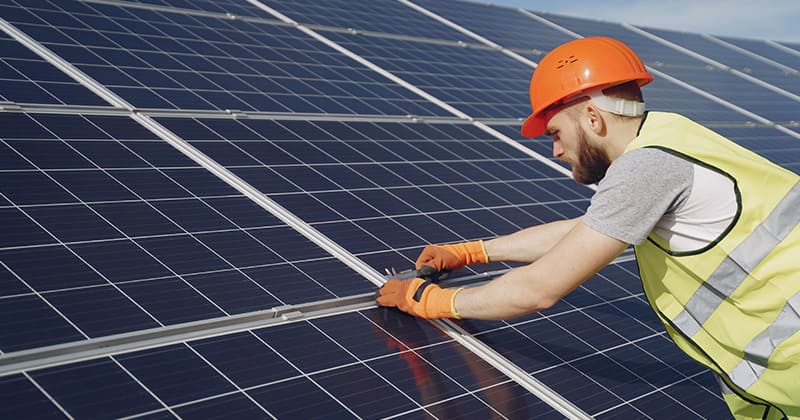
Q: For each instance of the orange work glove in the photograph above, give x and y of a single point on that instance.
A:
(451, 256)
(419, 297)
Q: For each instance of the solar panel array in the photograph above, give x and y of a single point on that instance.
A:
(169, 163)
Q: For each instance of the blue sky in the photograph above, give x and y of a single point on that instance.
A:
(761, 19)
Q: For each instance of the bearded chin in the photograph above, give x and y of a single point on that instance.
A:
(593, 162)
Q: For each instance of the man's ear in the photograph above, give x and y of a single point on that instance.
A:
(595, 120)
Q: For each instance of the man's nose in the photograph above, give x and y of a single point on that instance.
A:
(557, 149)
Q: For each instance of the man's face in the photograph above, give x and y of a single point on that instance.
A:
(572, 146)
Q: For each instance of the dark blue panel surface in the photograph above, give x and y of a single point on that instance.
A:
(766, 49)
(20, 398)
(371, 363)
(102, 310)
(378, 16)
(229, 406)
(503, 25)
(397, 186)
(27, 78)
(774, 145)
(603, 348)
(177, 243)
(245, 359)
(484, 83)
(172, 300)
(299, 398)
(733, 58)
(86, 389)
(29, 321)
(156, 59)
(175, 374)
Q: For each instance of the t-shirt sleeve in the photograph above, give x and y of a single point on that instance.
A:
(639, 188)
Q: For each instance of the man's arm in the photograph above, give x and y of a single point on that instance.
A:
(571, 261)
(528, 245)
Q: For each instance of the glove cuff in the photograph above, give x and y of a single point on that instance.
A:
(475, 252)
(442, 303)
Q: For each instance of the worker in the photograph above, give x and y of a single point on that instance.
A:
(714, 227)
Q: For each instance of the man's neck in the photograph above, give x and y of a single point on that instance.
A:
(621, 133)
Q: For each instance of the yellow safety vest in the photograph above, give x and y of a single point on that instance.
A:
(734, 305)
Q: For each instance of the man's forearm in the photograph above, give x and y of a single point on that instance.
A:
(577, 256)
(528, 245)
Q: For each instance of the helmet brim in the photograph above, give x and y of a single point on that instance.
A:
(533, 126)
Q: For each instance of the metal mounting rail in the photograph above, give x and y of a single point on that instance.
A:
(61, 354)
(67, 353)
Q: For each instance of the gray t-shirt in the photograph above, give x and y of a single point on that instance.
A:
(639, 188)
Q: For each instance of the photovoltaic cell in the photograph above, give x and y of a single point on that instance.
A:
(603, 349)
(413, 368)
(766, 49)
(730, 57)
(483, 83)
(416, 183)
(385, 16)
(27, 78)
(135, 245)
(158, 59)
(140, 236)
(505, 26)
(239, 8)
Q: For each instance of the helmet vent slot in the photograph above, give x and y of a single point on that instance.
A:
(563, 62)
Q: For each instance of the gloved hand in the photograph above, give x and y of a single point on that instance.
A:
(436, 258)
(419, 297)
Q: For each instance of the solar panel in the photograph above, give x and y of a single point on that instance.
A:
(605, 351)
(770, 50)
(503, 25)
(365, 364)
(157, 59)
(397, 18)
(27, 78)
(738, 60)
(140, 235)
(342, 164)
(379, 187)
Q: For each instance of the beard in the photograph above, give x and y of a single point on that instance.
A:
(593, 162)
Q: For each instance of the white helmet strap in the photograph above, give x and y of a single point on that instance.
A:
(615, 105)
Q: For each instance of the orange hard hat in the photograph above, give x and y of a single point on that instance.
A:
(578, 66)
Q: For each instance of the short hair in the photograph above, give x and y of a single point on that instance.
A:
(628, 90)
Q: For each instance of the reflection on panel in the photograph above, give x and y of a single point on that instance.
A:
(368, 364)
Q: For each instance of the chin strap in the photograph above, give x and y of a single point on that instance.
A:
(616, 105)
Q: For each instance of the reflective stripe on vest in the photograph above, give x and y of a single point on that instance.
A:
(733, 270)
(756, 354)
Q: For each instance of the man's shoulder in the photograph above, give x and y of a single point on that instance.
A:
(649, 162)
